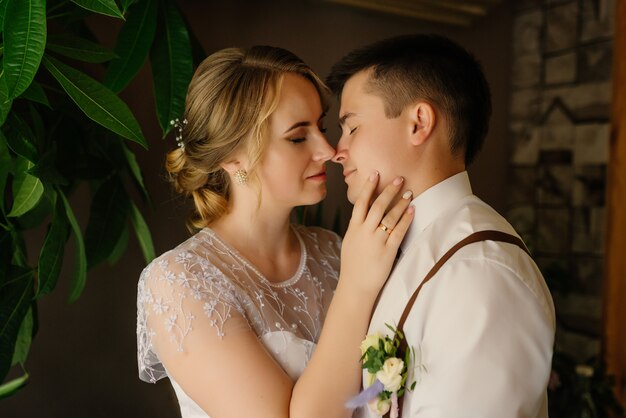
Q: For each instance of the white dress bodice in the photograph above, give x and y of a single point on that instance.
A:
(204, 279)
(291, 352)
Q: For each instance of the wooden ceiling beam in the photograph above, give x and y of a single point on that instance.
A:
(415, 11)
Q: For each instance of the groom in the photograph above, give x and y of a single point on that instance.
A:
(482, 327)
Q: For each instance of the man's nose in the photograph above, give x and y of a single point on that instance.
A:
(340, 155)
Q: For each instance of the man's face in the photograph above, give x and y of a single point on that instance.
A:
(369, 141)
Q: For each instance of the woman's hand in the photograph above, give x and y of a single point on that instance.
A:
(374, 235)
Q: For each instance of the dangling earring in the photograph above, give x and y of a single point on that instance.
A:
(241, 177)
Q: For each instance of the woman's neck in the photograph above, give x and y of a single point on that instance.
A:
(263, 237)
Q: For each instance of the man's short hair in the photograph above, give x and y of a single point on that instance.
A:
(409, 68)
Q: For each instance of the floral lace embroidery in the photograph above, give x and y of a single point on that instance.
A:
(205, 273)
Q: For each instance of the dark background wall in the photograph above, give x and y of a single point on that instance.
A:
(83, 360)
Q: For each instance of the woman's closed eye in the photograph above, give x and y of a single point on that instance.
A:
(296, 140)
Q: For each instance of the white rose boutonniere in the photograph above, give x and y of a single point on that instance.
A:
(391, 374)
(386, 373)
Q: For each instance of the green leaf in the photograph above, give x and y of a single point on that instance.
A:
(3, 10)
(52, 252)
(143, 233)
(172, 66)
(36, 93)
(79, 277)
(27, 189)
(18, 248)
(5, 167)
(13, 386)
(136, 171)
(126, 4)
(46, 169)
(23, 340)
(108, 214)
(41, 211)
(24, 43)
(21, 139)
(104, 7)
(5, 103)
(120, 246)
(15, 299)
(98, 102)
(133, 45)
(79, 48)
(6, 250)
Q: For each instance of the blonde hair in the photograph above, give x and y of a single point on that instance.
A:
(230, 98)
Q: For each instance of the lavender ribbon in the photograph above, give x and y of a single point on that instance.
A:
(366, 395)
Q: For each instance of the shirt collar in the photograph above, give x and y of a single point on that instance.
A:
(434, 201)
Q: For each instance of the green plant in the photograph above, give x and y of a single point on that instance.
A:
(581, 390)
(60, 130)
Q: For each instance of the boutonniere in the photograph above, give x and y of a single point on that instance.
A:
(386, 373)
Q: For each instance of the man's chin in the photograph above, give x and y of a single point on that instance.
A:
(351, 197)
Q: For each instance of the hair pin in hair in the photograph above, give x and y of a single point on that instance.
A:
(179, 134)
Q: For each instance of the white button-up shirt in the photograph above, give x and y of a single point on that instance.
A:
(483, 327)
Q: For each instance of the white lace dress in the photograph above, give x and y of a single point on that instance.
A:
(204, 280)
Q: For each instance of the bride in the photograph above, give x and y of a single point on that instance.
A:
(233, 316)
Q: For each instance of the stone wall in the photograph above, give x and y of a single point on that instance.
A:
(560, 111)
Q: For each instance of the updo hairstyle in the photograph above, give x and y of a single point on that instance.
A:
(230, 98)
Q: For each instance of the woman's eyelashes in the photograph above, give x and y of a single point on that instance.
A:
(303, 138)
(353, 130)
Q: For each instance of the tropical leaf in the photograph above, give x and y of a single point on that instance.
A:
(41, 211)
(5, 102)
(35, 93)
(126, 4)
(107, 217)
(24, 43)
(27, 189)
(104, 7)
(96, 101)
(79, 277)
(79, 48)
(3, 9)
(6, 249)
(136, 171)
(21, 139)
(143, 233)
(172, 65)
(52, 252)
(18, 248)
(15, 299)
(120, 246)
(133, 45)
(46, 169)
(5, 167)
(13, 386)
(23, 340)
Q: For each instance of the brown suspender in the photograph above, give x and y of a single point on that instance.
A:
(475, 237)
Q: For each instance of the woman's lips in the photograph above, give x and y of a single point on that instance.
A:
(319, 176)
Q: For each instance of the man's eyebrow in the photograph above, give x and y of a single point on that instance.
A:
(304, 123)
(345, 117)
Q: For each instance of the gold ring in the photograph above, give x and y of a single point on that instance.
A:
(384, 228)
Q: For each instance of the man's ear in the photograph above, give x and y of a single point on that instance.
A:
(423, 119)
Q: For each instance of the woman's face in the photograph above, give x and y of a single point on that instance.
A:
(292, 170)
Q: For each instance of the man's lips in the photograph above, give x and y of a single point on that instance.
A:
(347, 173)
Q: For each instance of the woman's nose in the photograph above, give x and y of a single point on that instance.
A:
(324, 152)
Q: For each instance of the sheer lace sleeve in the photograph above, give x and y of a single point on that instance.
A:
(177, 293)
